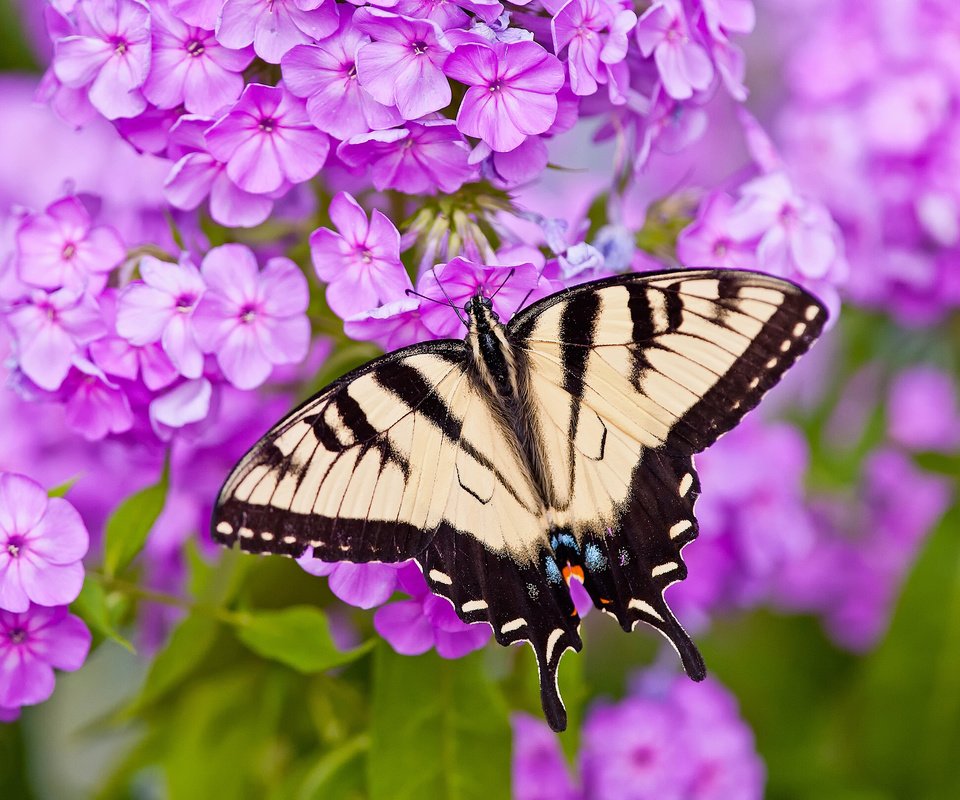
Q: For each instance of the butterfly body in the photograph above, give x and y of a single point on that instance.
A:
(557, 447)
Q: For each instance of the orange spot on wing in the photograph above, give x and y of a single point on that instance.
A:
(572, 571)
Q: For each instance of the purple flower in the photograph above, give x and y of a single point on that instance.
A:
(461, 279)
(202, 13)
(684, 66)
(32, 644)
(360, 585)
(326, 75)
(539, 769)
(42, 542)
(512, 91)
(94, 405)
(252, 319)
(266, 140)
(426, 621)
(402, 65)
(275, 26)
(707, 242)
(394, 324)
(60, 247)
(51, 330)
(795, 237)
(189, 66)
(110, 53)
(671, 739)
(161, 308)
(423, 157)
(578, 26)
(198, 175)
(183, 405)
(922, 412)
(360, 264)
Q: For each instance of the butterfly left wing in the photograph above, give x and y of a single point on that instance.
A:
(629, 378)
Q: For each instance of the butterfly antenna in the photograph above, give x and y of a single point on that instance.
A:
(509, 276)
(456, 309)
(523, 302)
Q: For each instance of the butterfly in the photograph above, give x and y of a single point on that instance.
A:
(556, 447)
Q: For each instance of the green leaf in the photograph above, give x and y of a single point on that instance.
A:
(129, 526)
(188, 645)
(339, 773)
(439, 730)
(298, 637)
(63, 488)
(92, 607)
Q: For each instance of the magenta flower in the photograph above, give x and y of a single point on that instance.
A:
(202, 13)
(796, 237)
(579, 25)
(267, 139)
(32, 644)
(426, 621)
(402, 67)
(198, 175)
(110, 54)
(51, 330)
(326, 75)
(183, 405)
(512, 92)
(189, 66)
(252, 319)
(922, 410)
(275, 26)
(684, 66)
(396, 323)
(539, 769)
(360, 264)
(60, 247)
(707, 242)
(360, 585)
(94, 406)
(42, 542)
(161, 309)
(423, 157)
(462, 279)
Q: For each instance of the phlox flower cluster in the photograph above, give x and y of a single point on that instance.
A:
(871, 125)
(652, 744)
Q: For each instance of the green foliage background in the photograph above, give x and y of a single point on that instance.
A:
(251, 699)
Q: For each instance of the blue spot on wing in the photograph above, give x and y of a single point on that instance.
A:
(594, 559)
(552, 570)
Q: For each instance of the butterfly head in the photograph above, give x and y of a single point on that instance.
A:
(479, 310)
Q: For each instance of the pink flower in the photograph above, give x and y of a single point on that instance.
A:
(42, 542)
(423, 157)
(360, 585)
(426, 621)
(683, 64)
(394, 324)
(326, 75)
(360, 264)
(267, 139)
(190, 67)
(578, 26)
(110, 54)
(202, 13)
(161, 308)
(95, 407)
(60, 248)
(275, 26)
(51, 330)
(32, 644)
(512, 91)
(252, 319)
(707, 242)
(198, 175)
(402, 66)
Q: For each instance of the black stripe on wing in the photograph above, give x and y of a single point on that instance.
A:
(521, 602)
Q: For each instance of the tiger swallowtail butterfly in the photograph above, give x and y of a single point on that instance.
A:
(558, 446)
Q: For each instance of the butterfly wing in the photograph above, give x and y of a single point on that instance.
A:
(408, 458)
(629, 378)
